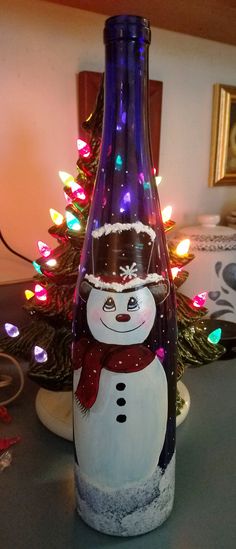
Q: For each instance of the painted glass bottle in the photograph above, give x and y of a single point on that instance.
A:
(124, 321)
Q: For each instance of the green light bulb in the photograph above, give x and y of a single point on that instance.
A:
(214, 337)
(37, 267)
(72, 222)
(119, 162)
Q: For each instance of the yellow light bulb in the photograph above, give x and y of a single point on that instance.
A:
(166, 214)
(56, 217)
(158, 179)
(183, 247)
(66, 178)
(175, 271)
(51, 262)
(29, 294)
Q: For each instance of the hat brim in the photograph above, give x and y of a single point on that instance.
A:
(113, 285)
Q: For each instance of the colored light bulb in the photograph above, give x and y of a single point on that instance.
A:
(214, 337)
(44, 249)
(75, 187)
(40, 354)
(72, 222)
(175, 271)
(29, 294)
(83, 148)
(68, 198)
(123, 117)
(166, 214)
(66, 178)
(183, 247)
(141, 177)
(160, 353)
(51, 262)
(118, 162)
(12, 331)
(158, 179)
(78, 191)
(56, 217)
(200, 299)
(37, 267)
(154, 171)
(127, 198)
(40, 292)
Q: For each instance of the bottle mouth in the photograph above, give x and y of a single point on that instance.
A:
(127, 27)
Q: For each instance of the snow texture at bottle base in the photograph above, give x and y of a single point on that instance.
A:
(128, 511)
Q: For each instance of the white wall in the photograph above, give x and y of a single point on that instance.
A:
(42, 48)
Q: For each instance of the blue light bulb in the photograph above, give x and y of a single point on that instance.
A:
(12, 331)
(40, 354)
(127, 198)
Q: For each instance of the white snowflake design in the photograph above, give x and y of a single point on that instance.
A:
(129, 272)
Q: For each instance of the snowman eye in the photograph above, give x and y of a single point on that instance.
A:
(132, 304)
(109, 305)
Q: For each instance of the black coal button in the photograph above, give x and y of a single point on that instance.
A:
(121, 401)
(120, 386)
(121, 418)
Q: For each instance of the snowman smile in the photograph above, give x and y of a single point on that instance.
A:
(122, 331)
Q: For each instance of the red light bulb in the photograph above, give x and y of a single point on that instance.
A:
(78, 192)
(83, 148)
(44, 249)
(200, 299)
(40, 292)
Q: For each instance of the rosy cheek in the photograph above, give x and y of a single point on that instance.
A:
(145, 315)
(108, 317)
(95, 315)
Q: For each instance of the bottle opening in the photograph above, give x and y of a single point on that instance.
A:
(127, 27)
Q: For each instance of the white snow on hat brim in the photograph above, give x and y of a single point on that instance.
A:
(109, 228)
(118, 287)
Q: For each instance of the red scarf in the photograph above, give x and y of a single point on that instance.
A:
(92, 356)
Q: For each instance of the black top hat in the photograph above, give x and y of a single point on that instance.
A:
(122, 257)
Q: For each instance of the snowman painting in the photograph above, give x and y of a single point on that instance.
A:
(120, 385)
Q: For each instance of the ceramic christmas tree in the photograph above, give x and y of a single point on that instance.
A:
(124, 349)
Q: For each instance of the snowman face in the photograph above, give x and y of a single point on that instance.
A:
(121, 318)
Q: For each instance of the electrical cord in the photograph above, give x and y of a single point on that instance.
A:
(13, 251)
(6, 380)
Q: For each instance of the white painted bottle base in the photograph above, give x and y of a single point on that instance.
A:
(129, 511)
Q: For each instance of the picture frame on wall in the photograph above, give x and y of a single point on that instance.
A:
(223, 137)
(88, 87)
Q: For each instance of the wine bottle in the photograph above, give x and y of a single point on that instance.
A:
(124, 328)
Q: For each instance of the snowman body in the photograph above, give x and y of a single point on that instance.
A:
(120, 439)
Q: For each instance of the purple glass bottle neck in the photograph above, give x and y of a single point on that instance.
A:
(126, 106)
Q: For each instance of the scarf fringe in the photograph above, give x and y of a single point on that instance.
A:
(82, 408)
